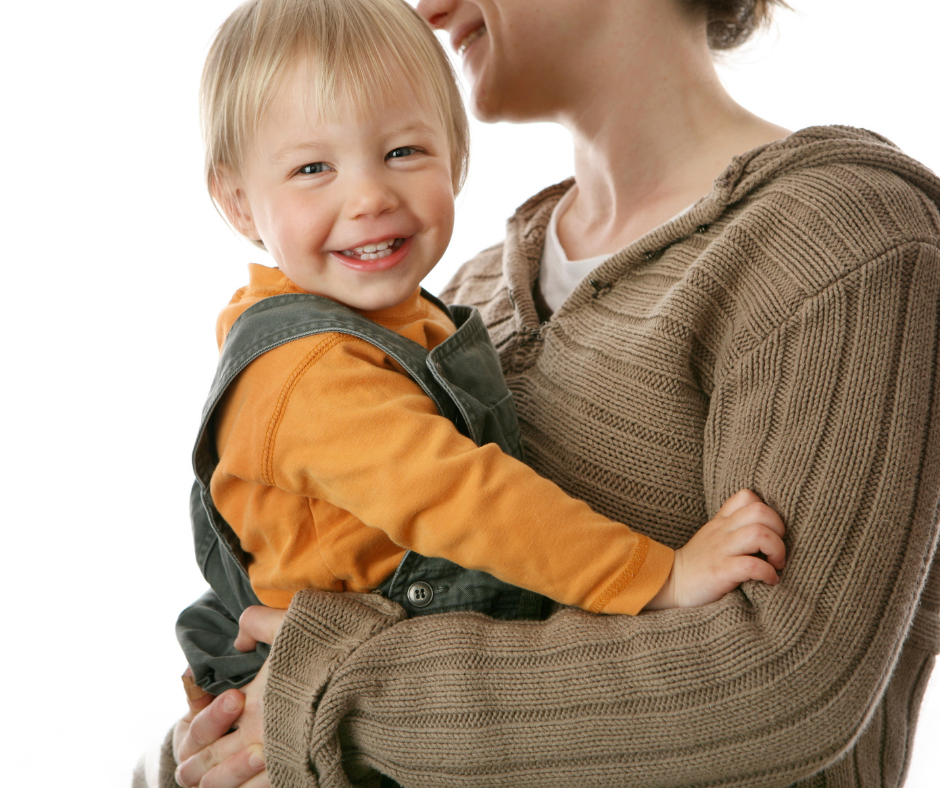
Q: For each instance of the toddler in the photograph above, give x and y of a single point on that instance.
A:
(359, 435)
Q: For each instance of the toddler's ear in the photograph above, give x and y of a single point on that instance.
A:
(229, 195)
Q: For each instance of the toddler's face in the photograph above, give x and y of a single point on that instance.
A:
(358, 209)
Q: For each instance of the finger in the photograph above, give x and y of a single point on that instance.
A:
(258, 781)
(759, 514)
(193, 771)
(212, 723)
(750, 567)
(774, 549)
(757, 539)
(244, 641)
(260, 623)
(244, 769)
(739, 499)
(261, 781)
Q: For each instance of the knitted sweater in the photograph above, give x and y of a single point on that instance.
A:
(781, 336)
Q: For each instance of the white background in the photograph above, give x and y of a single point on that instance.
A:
(116, 264)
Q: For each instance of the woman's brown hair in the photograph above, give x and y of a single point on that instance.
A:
(731, 22)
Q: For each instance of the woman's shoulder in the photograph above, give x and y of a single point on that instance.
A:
(826, 201)
(825, 215)
(835, 183)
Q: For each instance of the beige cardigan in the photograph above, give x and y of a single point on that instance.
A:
(782, 336)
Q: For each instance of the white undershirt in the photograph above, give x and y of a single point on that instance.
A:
(559, 276)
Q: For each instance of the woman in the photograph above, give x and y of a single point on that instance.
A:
(768, 324)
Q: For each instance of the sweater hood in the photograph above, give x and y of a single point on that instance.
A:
(817, 146)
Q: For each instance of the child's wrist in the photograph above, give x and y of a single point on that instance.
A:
(666, 597)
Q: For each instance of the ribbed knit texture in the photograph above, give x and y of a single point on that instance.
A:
(782, 336)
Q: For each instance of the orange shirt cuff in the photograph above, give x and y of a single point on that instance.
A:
(636, 586)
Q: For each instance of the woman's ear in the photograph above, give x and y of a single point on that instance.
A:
(229, 194)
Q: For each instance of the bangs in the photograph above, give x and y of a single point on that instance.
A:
(357, 61)
(360, 53)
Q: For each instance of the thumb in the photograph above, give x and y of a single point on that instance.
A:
(258, 624)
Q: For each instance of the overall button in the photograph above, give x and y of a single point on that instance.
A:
(420, 594)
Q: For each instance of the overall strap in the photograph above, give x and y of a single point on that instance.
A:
(281, 319)
(468, 368)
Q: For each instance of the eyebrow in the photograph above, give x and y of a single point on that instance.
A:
(412, 128)
(409, 128)
(291, 150)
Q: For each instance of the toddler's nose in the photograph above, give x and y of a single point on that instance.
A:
(370, 196)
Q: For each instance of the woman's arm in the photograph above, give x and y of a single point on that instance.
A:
(716, 560)
(833, 420)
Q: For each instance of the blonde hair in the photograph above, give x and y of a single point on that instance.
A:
(355, 49)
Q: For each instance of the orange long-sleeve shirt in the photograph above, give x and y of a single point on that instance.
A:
(333, 463)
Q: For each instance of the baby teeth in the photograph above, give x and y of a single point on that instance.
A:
(375, 251)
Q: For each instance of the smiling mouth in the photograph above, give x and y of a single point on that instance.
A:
(470, 38)
(374, 251)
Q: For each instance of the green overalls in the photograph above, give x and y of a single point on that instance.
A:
(463, 378)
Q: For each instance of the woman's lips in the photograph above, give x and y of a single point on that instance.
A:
(370, 257)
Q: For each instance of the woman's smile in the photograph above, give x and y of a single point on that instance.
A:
(461, 46)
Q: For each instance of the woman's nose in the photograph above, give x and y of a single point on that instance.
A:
(437, 11)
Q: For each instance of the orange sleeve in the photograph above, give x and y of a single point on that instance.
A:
(351, 430)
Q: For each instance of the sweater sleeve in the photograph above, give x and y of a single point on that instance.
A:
(834, 420)
(352, 432)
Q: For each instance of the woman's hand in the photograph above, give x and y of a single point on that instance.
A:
(743, 542)
(220, 746)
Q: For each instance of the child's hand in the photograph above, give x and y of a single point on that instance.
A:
(722, 554)
(258, 624)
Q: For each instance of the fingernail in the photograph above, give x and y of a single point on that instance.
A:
(230, 704)
(255, 761)
(176, 775)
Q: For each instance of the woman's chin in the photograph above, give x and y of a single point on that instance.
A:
(483, 108)
(487, 100)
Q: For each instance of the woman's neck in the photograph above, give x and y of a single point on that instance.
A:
(646, 148)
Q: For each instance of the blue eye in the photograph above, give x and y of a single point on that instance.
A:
(400, 153)
(313, 169)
